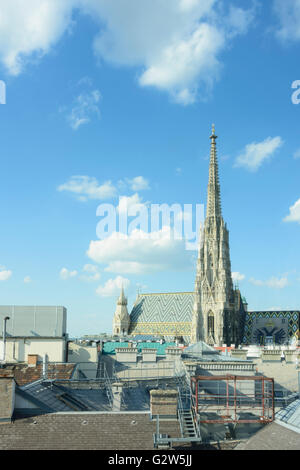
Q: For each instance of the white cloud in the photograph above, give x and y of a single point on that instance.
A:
(28, 30)
(239, 20)
(273, 282)
(27, 279)
(288, 13)
(176, 44)
(294, 215)
(296, 154)
(5, 274)
(66, 274)
(256, 153)
(131, 204)
(91, 273)
(138, 183)
(141, 252)
(85, 105)
(86, 187)
(112, 287)
(236, 276)
(185, 62)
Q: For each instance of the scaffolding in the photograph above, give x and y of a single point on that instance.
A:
(233, 399)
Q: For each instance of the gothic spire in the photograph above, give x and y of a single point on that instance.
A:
(122, 299)
(213, 208)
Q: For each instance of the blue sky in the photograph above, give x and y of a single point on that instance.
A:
(122, 95)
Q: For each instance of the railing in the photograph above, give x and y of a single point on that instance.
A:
(196, 417)
(184, 378)
(140, 371)
(180, 413)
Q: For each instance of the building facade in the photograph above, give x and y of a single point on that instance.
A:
(40, 330)
(216, 316)
(214, 312)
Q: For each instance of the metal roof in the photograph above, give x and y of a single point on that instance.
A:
(290, 415)
(34, 321)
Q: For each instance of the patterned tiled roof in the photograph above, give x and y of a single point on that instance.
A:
(168, 307)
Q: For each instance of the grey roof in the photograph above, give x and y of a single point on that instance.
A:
(200, 348)
(34, 321)
(290, 416)
(145, 338)
(50, 396)
(272, 437)
(86, 431)
(167, 307)
(47, 395)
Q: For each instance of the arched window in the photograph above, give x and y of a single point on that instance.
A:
(211, 323)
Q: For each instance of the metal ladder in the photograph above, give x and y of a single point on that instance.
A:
(188, 425)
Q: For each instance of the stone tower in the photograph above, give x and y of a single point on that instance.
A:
(121, 319)
(215, 316)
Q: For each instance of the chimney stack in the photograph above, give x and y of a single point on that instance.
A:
(117, 390)
(32, 360)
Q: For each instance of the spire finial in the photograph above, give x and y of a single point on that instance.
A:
(213, 133)
(122, 299)
(213, 194)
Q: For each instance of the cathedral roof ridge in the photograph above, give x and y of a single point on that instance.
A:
(165, 293)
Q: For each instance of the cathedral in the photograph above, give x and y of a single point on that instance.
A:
(215, 312)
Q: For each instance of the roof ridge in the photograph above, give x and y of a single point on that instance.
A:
(166, 293)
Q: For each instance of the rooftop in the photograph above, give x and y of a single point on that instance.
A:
(290, 417)
(24, 374)
(86, 431)
(163, 307)
(109, 347)
(34, 321)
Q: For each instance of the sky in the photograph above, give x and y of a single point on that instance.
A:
(111, 103)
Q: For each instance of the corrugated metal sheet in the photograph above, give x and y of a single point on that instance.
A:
(34, 321)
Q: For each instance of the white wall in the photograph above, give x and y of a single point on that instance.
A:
(81, 353)
(17, 350)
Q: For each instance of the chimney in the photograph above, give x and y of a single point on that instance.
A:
(32, 360)
(7, 398)
(117, 390)
(45, 367)
(164, 403)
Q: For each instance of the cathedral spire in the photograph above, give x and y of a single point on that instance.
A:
(213, 208)
(122, 299)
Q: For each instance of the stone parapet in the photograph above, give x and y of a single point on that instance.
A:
(239, 353)
(271, 355)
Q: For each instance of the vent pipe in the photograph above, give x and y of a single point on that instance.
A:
(4, 338)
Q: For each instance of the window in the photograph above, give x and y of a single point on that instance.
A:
(211, 322)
